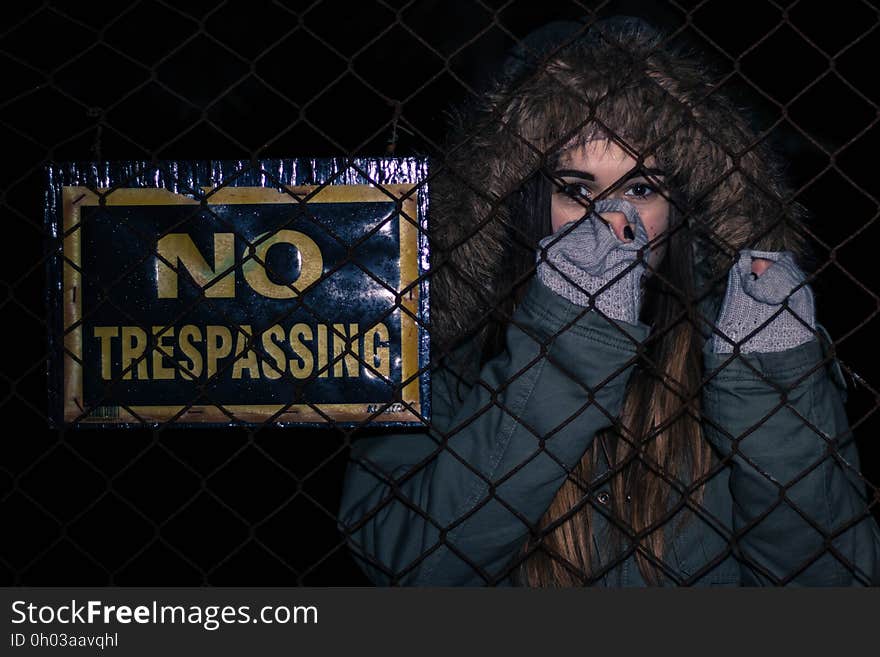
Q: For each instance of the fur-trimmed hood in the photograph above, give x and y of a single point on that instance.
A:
(616, 79)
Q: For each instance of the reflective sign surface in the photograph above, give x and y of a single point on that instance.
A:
(246, 303)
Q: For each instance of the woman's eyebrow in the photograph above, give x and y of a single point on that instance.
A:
(646, 171)
(574, 173)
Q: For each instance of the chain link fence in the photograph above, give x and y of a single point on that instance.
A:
(154, 80)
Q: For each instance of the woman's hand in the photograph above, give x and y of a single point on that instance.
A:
(587, 263)
(754, 314)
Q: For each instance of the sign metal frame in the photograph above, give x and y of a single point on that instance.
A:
(413, 407)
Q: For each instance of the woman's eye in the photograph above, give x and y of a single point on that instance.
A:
(576, 191)
(641, 190)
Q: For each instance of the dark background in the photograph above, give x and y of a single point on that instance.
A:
(238, 80)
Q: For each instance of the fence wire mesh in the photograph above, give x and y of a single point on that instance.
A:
(154, 80)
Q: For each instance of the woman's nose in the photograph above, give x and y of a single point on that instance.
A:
(618, 223)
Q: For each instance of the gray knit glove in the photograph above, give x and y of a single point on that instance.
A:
(580, 259)
(751, 300)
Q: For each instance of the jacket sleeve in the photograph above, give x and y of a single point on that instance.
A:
(800, 510)
(451, 505)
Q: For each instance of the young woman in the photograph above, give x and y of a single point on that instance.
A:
(630, 384)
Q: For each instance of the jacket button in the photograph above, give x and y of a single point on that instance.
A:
(603, 497)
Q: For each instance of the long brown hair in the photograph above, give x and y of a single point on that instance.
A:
(657, 437)
(491, 208)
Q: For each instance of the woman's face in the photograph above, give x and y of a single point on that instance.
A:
(589, 170)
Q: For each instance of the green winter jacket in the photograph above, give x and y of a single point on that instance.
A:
(450, 505)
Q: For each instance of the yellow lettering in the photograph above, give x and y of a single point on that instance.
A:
(311, 264)
(298, 333)
(376, 349)
(271, 337)
(106, 334)
(248, 361)
(219, 345)
(163, 349)
(179, 250)
(322, 351)
(342, 344)
(134, 344)
(189, 335)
